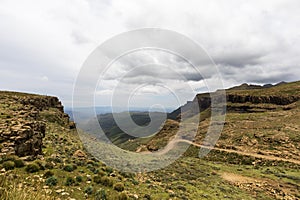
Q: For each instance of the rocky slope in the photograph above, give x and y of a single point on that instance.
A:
(21, 126)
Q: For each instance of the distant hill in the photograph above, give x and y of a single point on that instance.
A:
(99, 110)
(112, 130)
(279, 94)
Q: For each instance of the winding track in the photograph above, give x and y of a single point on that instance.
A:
(172, 143)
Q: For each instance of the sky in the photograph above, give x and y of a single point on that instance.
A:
(44, 45)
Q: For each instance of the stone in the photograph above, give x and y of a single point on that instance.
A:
(59, 191)
(79, 154)
(48, 191)
(65, 194)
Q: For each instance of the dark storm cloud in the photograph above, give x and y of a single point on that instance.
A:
(238, 60)
(271, 78)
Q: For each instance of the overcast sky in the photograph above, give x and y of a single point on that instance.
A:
(44, 43)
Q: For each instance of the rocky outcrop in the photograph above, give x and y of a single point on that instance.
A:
(277, 100)
(200, 103)
(42, 103)
(23, 138)
(239, 101)
(22, 128)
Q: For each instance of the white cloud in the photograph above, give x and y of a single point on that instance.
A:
(250, 41)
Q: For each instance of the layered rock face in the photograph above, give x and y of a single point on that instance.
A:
(43, 103)
(200, 103)
(21, 128)
(239, 101)
(277, 100)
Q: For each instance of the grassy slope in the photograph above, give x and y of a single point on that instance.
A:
(268, 130)
(59, 146)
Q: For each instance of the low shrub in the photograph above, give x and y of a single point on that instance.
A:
(101, 173)
(100, 195)
(19, 163)
(134, 182)
(41, 165)
(51, 181)
(106, 181)
(69, 181)
(89, 190)
(48, 174)
(49, 165)
(79, 179)
(90, 162)
(127, 174)
(7, 158)
(119, 187)
(147, 196)
(109, 170)
(123, 196)
(69, 168)
(97, 179)
(8, 165)
(31, 168)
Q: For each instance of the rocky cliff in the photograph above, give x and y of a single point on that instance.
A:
(22, 128)
(245, 98)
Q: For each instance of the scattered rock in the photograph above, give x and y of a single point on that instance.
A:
(79, 154)
(65, 194)
(59, 191)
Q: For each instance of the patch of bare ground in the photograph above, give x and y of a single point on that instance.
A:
(256, 185)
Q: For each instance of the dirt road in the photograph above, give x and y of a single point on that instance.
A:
(173, 142)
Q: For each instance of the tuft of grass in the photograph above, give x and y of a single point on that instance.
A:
(9, 190)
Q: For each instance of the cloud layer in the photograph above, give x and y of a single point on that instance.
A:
(44, 43)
